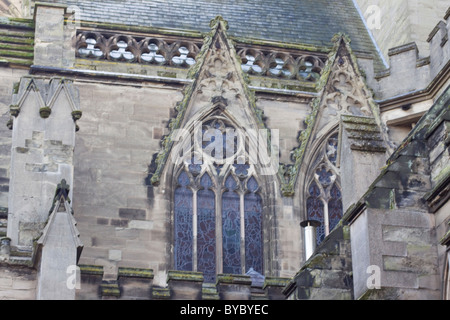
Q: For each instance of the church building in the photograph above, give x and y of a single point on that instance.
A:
(224, 150)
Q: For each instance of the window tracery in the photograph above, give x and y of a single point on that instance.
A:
(218, 208)
(324, 198)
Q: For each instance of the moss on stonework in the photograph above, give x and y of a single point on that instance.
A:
(233, 279)
(9, 52)
(16, 87)
(45, 112)
(161, 293)
(275, 282)
(76, 115)
(166, 74)
(21, 63)
(135, 272)
(110, 289)
(288, 174)
(91, 269)
(184, 276)
(14, 110)
(17, 40)
(217, 25)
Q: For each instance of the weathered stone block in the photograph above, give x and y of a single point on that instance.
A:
(185, 285)
(132, 214)
(135, 283)
(233, 287)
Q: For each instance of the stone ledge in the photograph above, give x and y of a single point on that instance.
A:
(175, 275)
(403, 48)
(109, 289)
(135, 273)
(275, 282)
(161, 293)
(233, 279)
(91, 270)
(209, 292)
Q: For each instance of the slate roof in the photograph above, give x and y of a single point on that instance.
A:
(307, 22)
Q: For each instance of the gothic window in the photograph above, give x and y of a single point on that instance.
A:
(217, 210)
(323, 196)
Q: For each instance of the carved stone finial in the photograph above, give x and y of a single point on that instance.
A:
(62, 191)
(219, 19)
(219, 101)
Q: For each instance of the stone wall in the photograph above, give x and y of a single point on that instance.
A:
(327, 275)
(403, 21)
(8, 77)
(393, 227)
(17, 282)
(125, 224)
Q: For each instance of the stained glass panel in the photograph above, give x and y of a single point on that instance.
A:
(231, 228)
(206, 230)
(324, 176)
(335, 206)
(183, 224)
(253, 228)
(226, 146)
(252, 185)
(315, 210)
(241, 169)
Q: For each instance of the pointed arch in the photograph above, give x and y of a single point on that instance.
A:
(322, 191)
(226, 210)
(214, 140)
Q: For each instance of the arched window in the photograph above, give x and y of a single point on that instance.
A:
(323, 198)
(217, 210)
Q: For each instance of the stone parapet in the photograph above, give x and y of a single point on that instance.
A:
(137, 284)
(408, 73)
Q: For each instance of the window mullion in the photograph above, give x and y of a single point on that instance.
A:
(194, 230)
(219, 234)
(326, 220)
(242, 214)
